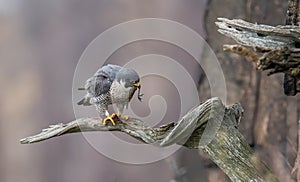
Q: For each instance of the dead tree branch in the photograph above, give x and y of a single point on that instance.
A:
(210, 126)
(271, 48)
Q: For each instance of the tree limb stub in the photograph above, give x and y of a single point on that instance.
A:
(272, 48)
(211, 126)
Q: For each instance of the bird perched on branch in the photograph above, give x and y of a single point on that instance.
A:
(111, 84)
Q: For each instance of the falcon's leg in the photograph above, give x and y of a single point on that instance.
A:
(109, 117)
(122, 116)
(120, 108)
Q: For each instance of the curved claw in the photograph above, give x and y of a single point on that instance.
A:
(110, 118)
(124, 117)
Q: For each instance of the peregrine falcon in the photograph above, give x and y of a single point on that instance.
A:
(111, 84)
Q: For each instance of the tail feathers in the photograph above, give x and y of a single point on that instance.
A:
(85, 101)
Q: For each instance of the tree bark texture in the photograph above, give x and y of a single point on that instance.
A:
(210, 126)
(270, 118)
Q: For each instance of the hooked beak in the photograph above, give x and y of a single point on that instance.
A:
(138, 85)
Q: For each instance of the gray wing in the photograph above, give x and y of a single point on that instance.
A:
(110, 70)
(100, 83)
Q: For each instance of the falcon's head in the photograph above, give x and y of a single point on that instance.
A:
(130, 78)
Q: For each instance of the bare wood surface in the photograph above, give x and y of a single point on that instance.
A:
(273, 48)
(270, 117)
(259, 35)
(210, 126)
(292, 18)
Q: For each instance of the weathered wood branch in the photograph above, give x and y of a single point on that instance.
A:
(292, 18)
(210, 126)
(271, 48)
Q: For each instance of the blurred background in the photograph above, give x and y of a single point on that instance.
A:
(40, 45)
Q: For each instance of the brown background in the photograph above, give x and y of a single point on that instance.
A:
(40, 44)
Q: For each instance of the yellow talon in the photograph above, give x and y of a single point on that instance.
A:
(125, 117)
(121, 116)
(110, 117)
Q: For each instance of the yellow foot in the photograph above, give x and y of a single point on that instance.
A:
(124, 117)
(110, 118)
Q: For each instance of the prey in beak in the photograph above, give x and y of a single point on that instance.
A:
(138, 85)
